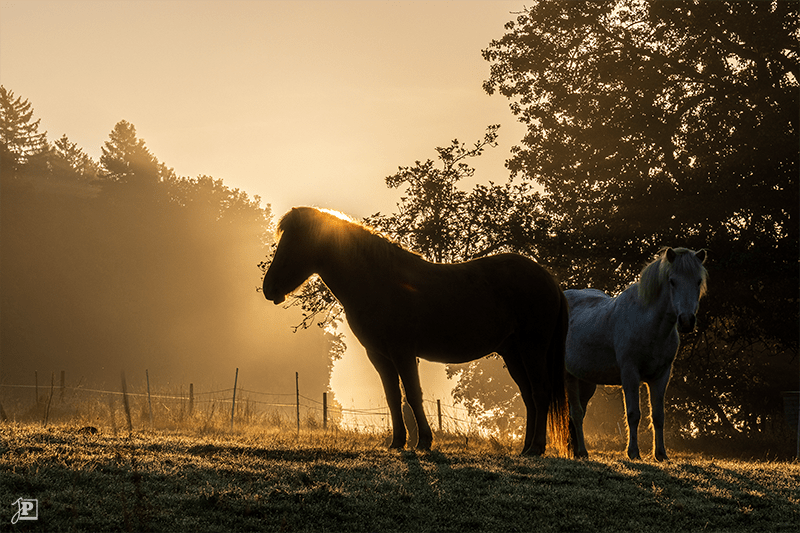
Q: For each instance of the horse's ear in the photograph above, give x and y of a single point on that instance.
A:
(701, 255)
(671, 255)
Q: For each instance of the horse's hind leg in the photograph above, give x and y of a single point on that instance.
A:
(391, 388)
(409, 374)
(580, 392)
(536, 407)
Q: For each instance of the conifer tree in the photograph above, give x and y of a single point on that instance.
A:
(20, 139)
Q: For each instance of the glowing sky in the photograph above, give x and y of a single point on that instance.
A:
(297, 102)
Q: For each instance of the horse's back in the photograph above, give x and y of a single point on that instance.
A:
(458, 312)
(590, 351)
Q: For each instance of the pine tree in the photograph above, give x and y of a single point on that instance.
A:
(20, 139)
(72, 161)
(126, 160)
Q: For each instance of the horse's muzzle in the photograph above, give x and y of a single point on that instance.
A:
(277, 299)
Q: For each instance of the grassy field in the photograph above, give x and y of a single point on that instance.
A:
(340, 481)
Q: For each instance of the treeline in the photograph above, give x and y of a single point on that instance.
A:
(120, 264)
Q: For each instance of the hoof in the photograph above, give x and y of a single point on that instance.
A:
(533, 451)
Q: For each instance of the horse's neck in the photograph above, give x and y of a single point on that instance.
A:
(348, 275)
(659, 314)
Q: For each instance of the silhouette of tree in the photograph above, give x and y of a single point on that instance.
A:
(72, 162)
(20, 139)
(126, 160)
(664, 123)
(653, 120)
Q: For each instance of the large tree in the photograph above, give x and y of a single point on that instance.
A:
(664, 123)
(649, 121)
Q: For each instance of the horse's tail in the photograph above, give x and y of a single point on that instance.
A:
(558, 416)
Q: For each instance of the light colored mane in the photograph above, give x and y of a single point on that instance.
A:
(655, 274)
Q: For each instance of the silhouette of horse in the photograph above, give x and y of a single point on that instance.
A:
(401, 307)
(632, 338)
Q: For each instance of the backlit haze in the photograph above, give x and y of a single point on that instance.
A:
(300, 103)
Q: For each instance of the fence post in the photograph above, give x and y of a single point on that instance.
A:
(149, 403)
(191, 398)
(49, 400)
(297, 389)
(233, 407)
(439, 412)
(325, 411)
(125, 403)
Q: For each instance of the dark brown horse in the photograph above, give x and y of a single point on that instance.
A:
(401, 307)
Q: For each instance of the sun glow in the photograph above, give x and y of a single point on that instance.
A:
(337, 214)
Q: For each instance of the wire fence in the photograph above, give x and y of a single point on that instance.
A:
(238, 405)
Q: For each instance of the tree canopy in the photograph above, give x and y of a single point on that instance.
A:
(651, 121)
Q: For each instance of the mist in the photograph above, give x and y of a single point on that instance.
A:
(100, 277)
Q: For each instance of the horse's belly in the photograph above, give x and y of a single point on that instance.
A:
(599, 375)
(595, 363)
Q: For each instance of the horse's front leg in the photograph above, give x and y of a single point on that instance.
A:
(391, 388)
(409, 374)
(657, 391)
(630, 388)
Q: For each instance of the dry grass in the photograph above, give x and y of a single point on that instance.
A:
(274, 480)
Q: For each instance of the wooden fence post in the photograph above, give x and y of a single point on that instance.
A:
(50, 400)
(325, 411)
(125, 403)
(191, 398)
(233, 406)
(439, 412)
(297, 389)
(149, 402)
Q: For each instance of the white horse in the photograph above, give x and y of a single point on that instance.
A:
(632, 338)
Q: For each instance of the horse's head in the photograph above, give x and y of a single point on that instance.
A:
(295, 258)
(686, 279)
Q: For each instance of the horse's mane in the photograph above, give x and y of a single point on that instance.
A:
(656, 273)
(351, 237)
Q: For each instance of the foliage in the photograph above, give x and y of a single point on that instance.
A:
(345, 481)
(123, 265)
(444, 223)
(678, 118)
(72, 162)
(672, 123)
(126, 160)
(19, 133)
